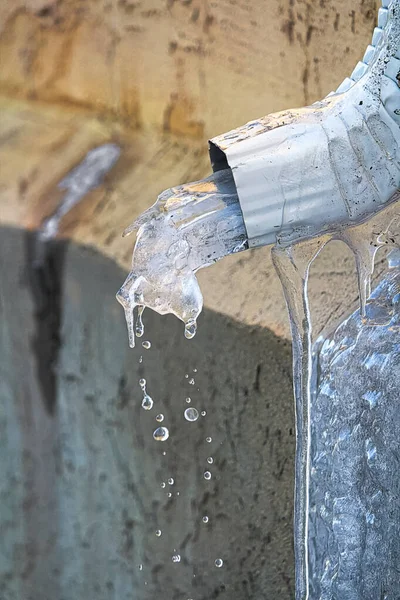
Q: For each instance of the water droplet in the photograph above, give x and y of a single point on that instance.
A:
(161, 434)
(190, 329)
(192, 381)
(158, 533)
(176, 558)
(207, 475)
(205, 519)
(203, 413)
(194, 370)
(177, 493)
(191, 414)
(147, 402)
(188, 400)
(139, 323)
(164, 453)
(210, 460)
(160, 419)
(163, 484)
(171, 481)
(219, 563)
(208, 440)
(146, 345)
(187, 376)
(169, 495)
(141, 359)
(140, 567)
(142, 383)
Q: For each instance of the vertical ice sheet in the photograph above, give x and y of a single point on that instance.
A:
(293, 264)
(354, 513)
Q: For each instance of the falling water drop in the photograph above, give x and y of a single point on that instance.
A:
(147, 402)
(190, 329)
(209, 440)
(176, 558)
(205, 519)
(161, 434)
(203, 413)
(163, 484)
(146, 345)
(191, 381)
(188, 400)
(171, 481)
(139, 323)
(191, 414)
(158, 533)
(210, 460)
(219, 563)
(140, 567)
(207, 475)
(160, 418)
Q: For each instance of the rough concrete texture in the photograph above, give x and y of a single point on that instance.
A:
(159, 78)
(80, 479)
(195, 67)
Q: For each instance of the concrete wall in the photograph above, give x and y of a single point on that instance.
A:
(80, 481)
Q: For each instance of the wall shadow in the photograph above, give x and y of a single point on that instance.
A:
(82, 484)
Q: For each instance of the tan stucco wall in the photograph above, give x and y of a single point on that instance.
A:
(159, 78)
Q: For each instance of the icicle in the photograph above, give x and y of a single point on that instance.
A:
(126, 298)
(130, 323)
(292, 265)
(364, 251)
(364, 241)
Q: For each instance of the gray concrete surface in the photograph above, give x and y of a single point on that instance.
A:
(80, 475)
